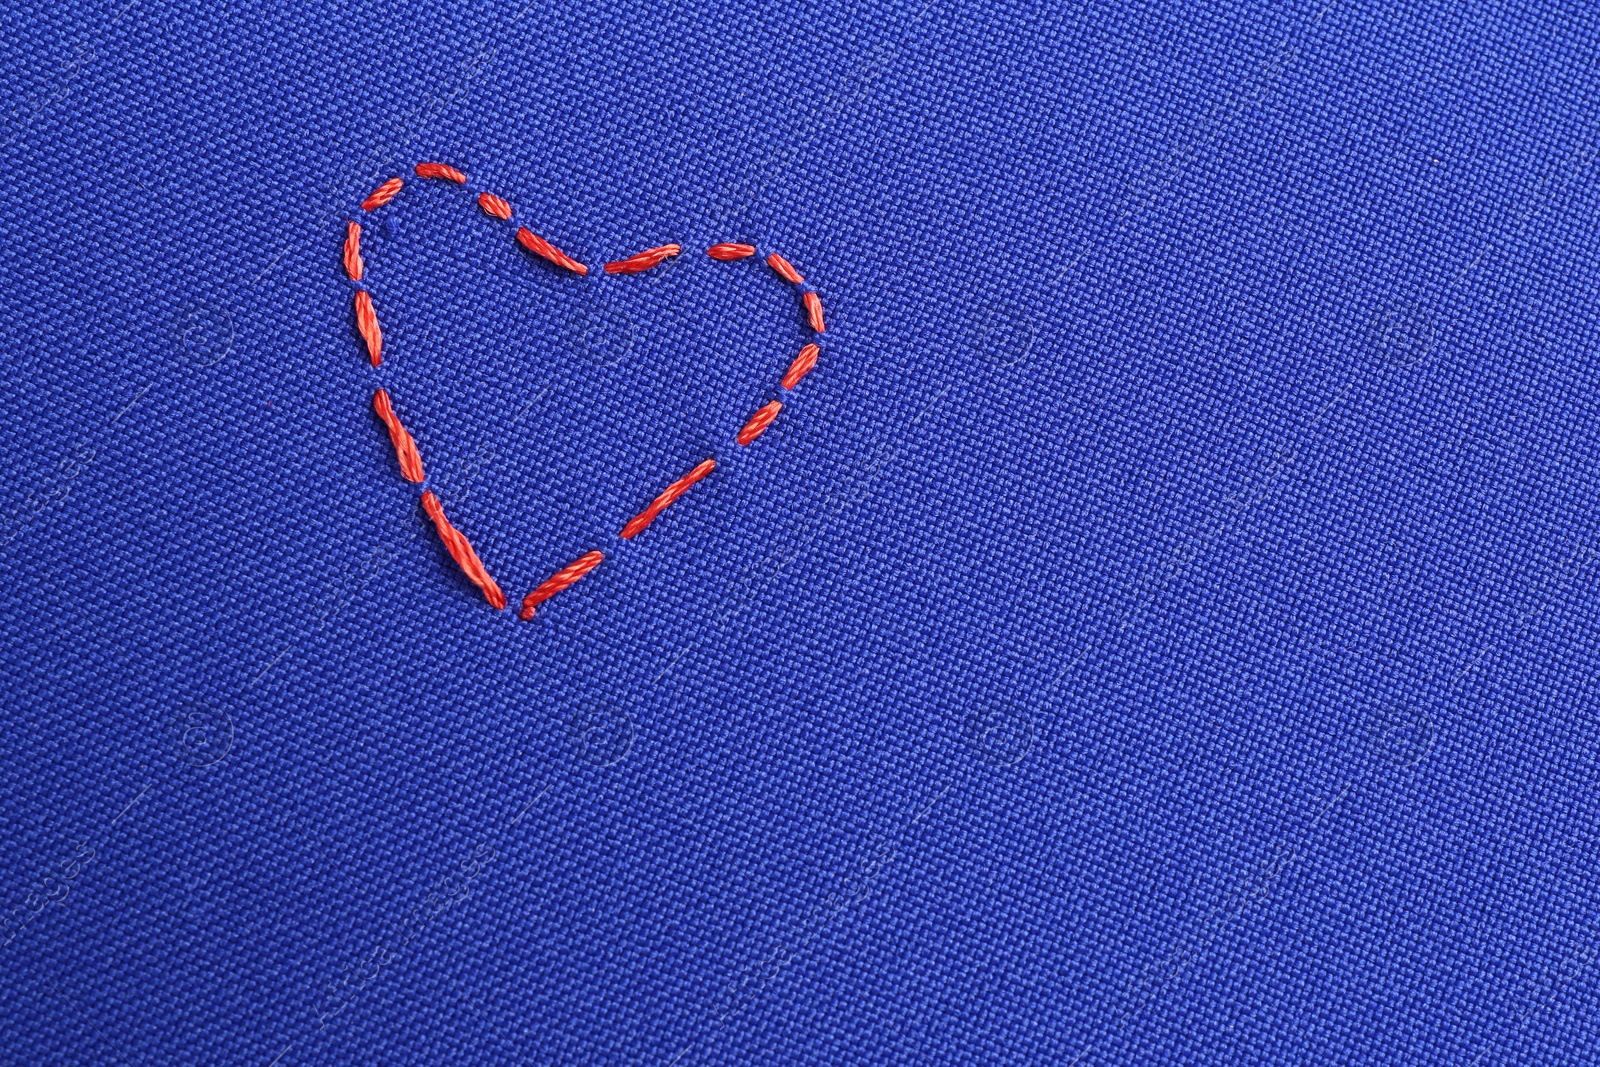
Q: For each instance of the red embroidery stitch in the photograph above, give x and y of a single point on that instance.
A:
(352, 251)
(493, 205)
(560, 580)
(405, 448)
(785, 269)
(410, 459)
(813, 304)
(440, 170)
(540, 247)
(367, 323)
(802, 365)
(460, 549)
(759, 422)
(382, 194)
(642, 261)
(671, 493)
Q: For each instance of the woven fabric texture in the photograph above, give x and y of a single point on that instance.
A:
(1161, 630)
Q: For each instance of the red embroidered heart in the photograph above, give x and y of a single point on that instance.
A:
(408, 454)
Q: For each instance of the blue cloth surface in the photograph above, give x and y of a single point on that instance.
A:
(1161, 630)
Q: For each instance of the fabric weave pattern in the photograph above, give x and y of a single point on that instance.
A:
(1161, 628)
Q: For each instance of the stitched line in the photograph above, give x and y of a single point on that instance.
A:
(493, 205)
(759, 422)
(460, 549)
(642, 261)
(803, 364)
(382, 194)
(731, 251)
(405, 448)
(668, 495)
(367, 323)
(540, 247)
(352, 252)
(785, 269)
(560, 580)
(409, 457)
(813, 304)
(440, 170)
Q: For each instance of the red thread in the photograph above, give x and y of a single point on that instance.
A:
(560, 580)
(540, 247)
(405, 446)
(642, 261)
(440, 170)
(672, 492)
(493, 205)
(460, 549)
(759, 422)
(367, 323)
(813, 304)
(352, 251)
(785, 269)
(382, 194)
(405, 449)
(802, 365)
(731, 251)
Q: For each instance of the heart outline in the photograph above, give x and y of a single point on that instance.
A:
(408, 455)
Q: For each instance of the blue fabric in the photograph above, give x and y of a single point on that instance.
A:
(1161, 630)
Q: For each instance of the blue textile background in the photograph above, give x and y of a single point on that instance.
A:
(1162, 630)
